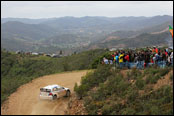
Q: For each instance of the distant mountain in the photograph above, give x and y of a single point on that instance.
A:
(71, 32)
(25, 20)
(159, 27)
(109, 24)
(142, 40)
(27, 31)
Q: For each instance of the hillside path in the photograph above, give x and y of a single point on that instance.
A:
(25, 101)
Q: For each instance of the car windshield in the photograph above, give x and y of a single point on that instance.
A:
(45, 90)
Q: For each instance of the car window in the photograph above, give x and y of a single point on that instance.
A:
(45, 90)
(60, 88)
(55, 89)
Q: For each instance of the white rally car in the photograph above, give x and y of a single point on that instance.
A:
(53, 92)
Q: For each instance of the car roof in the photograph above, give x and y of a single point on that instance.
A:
(51, 86)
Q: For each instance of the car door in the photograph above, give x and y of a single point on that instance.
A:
(55, 91)
(62, 91)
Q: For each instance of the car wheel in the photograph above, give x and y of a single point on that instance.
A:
(68, 93)
(54, 97)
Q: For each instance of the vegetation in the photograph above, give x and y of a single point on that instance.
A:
(109, 92)
(18, 69)
(154, 74)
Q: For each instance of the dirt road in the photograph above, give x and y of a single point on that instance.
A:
(25, 101)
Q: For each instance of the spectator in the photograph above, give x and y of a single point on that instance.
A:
(121, 56)
(105, 60)
(148, 56)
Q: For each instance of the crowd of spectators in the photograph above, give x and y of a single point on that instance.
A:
(141, 58)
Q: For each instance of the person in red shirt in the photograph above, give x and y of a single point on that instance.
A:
(166, 53)
(156, 49)
(153, 50)
(127, 57)
(127, 60)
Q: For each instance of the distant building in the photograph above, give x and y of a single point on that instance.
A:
(55, 56)
(28, 53)
(112, 49)
(41, 53)
(120, 48)
(49, 55)
(18, 52)
(34, 53)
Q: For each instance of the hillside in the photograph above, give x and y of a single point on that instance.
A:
(142, 40)
(53, 34)
(18, 69)
(27, 31)
(124, 92)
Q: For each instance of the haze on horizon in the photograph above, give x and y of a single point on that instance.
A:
(51, 9)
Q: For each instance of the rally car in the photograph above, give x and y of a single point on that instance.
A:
(53, 92)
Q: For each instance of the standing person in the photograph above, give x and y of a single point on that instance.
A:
(142, 58)
(117, 59)
(147, 59)
(171, 56)
(138, 60)
(110, 62)
(156, 50)
(154, 59)
(164, 58)
(127, 60)
(105, 60)
(112, 57)
(153, 50)
(124, 60)
(167, 50)
(160, 60)
(121, 56)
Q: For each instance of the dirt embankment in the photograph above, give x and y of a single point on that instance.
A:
(25, 101)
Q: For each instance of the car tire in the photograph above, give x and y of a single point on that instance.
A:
(68, 93)
(54, 97)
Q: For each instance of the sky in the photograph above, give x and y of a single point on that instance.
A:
(50, 9)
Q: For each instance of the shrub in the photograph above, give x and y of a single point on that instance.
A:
(93, 79)
(134, 74)
(128, 111)
(152, 79)
(140, 83)
(164, 71)
(106, 109)
(171, 77)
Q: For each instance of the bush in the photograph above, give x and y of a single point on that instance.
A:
(106, 109)
(171, 77)
(152, 79)
(164, 71)
(128, 111)
(140, 83)
(93, 79)
(134, 74)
